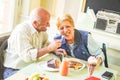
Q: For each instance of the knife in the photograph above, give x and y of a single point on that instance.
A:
(62, 56)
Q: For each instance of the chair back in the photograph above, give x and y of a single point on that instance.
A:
(105, 54)
(3, 46)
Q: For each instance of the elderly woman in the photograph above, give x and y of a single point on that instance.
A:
(76, 43)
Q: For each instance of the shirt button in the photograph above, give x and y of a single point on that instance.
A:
(83, 52)
(68, 50)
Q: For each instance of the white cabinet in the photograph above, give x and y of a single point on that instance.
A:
(112, 40)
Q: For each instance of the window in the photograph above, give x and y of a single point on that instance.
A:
(6, 16)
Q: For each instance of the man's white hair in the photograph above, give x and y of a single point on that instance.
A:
(34, 16)
(38, 14)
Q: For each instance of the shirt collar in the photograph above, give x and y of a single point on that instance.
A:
(32, 29)
(77, 38)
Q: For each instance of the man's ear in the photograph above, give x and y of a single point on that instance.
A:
(35, 24)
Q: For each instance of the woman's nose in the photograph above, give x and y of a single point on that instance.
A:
(65, 29)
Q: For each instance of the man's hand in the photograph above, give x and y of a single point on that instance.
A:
(54, 45)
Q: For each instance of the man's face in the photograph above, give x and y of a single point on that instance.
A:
(42, 26)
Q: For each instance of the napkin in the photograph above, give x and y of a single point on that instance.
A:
(92, 78)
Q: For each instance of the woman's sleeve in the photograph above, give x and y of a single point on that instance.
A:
(94, 48)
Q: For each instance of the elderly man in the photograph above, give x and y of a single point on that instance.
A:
(28, 42)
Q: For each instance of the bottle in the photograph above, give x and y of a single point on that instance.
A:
(64, 67)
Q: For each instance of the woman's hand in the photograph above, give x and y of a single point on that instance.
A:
(60, 51)
(99, 61)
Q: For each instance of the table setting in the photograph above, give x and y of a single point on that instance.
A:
(77, 72)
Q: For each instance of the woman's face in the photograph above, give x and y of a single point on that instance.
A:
(67, 30)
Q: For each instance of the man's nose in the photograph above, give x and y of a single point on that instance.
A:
(48, 24)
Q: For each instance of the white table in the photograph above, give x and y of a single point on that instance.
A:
(72, 75)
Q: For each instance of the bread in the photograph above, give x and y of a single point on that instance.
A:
(75, 65)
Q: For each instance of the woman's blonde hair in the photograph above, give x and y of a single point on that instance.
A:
(66, 17)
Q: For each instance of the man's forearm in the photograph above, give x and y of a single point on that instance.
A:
(42, 51)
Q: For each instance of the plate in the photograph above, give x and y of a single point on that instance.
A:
(45, 67)
(80, 64)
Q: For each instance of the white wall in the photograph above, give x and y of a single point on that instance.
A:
(68, 6)
(72, 7)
